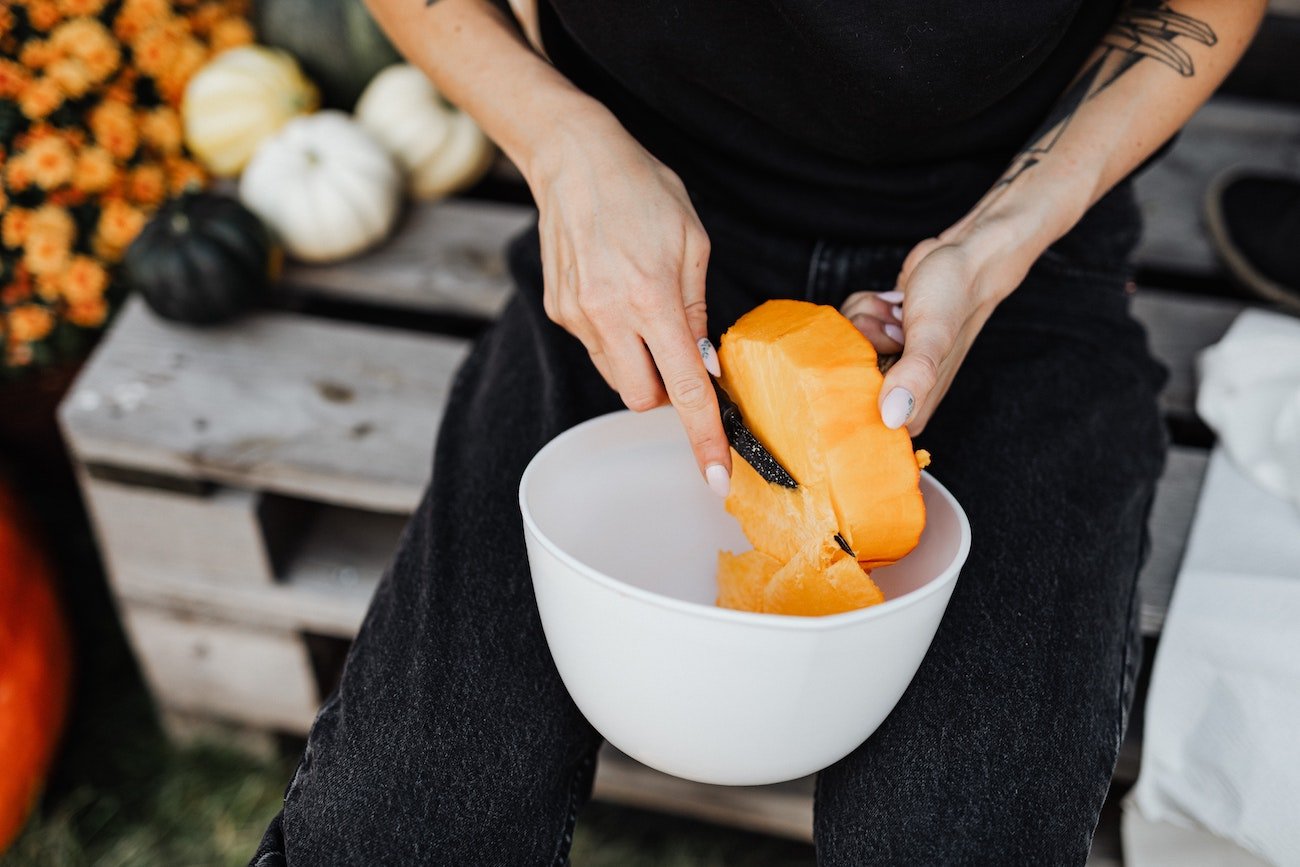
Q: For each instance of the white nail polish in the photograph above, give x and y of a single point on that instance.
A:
(894, 296)
(719, 481)
(897, 310)
(897, 408)
(710, 358)
(893, 332)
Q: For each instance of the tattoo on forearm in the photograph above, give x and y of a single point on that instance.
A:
(1143, 30)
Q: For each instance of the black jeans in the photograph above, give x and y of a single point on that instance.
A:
(452, 740)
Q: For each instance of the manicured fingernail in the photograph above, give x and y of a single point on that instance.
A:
(897, 310)
(719, 481)
(710, 357)
(897, 408)
(894, 296)
(893, 332)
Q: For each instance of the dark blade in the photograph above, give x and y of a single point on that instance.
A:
(748, 446)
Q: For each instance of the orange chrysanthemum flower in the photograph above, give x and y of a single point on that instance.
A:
(88, 40)
(45, 252)
(95, 170)
(84, 280)
(37, 54)
(50, 162)
(81, 7)
(14, 77)
(146, 184)
(43, 14)
(230, 33)
(18, 175)
(6, 20)
(161, 128)
(39, 98)
(136, 15)
(119, 223)
(14, 227)
(189, 57)
(183, 174)
(71, 75)
(88, 314)
(54, 221)
(29, 322)
(113, 125)
(15, 293)
(18, 354)
(155, 48)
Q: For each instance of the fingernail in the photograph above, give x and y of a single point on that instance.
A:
(710, 357)
(894, 296)
(897, 408)
(897, 310)
(893, 332)
(719, 481)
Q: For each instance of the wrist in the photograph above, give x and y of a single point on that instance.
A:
(556, 131)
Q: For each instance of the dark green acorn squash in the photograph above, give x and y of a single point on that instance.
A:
(202, 259)
(337, 42)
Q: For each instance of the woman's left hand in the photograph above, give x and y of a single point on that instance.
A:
(947, 289)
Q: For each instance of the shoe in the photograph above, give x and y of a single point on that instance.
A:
(1254, 222)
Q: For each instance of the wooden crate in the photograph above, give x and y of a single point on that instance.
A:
(248, 483)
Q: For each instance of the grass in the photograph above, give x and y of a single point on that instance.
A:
(121, 796)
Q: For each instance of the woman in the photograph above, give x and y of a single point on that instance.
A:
(953, 177)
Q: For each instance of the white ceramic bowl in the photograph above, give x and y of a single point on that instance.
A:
(623, 538)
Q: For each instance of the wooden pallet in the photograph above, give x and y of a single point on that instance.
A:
(248, 483)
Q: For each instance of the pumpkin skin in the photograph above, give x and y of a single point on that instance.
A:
(238, 100)
(202, 259)
(35, 669)
(337, 42)
(807, 382)
(324, 187)
(441, 148)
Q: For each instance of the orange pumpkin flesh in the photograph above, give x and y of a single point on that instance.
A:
(35, 670)
(807, 383)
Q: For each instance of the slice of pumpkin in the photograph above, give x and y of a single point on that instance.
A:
(807, 383)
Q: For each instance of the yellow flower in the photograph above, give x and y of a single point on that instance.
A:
(54, 221)
(44, 252)
(88, 40)
(13, 78)
(50, 162)
(88, 314)
(29, 322)
(230, 33)
(146, 184)
(14, 227)
(73, 8)
(161, 128)
(113, 125)
(118, 225)
(95, 170)
(84, 280)
(43, 14)
(40, 97)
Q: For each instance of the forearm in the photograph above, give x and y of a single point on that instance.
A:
(1154, 68)
(479, 60)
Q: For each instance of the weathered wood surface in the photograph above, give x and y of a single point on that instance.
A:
(784, 810)
(340, 413)
(259, 677)
(1171, 520)
(1178, 327)
(446, 258)
(1225, 132)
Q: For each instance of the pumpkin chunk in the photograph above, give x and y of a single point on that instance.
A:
(807, 383)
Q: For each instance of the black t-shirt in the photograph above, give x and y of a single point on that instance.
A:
(877, 120)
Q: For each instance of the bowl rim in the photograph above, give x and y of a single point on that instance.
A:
(728, 615)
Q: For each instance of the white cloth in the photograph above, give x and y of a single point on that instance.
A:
(1221, 745)
(1250, 395)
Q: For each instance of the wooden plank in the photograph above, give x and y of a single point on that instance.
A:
(260, 678)
(335, 412)
(1178, 327)
(784, 810)
(215, 538)
(447, 257)
(326, 587)
(1225, 132)
(1171, 520)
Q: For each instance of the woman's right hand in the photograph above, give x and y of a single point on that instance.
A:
(624, 259)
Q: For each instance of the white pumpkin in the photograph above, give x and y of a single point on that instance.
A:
(324, 186)
(240, 98)
(441, 148)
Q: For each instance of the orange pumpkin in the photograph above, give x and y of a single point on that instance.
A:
(35, 669)
(807, 382)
